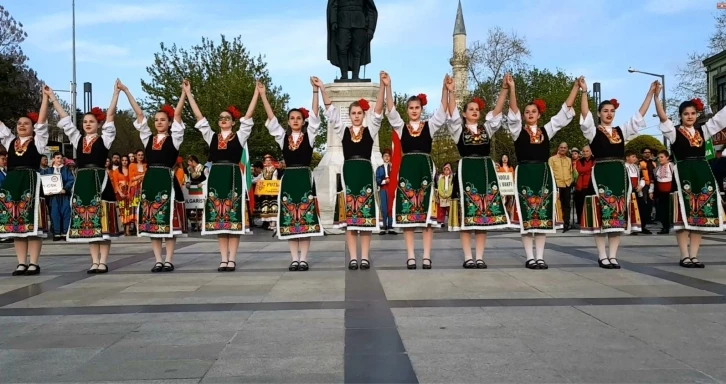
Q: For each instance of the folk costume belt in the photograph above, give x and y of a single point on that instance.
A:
(87, 166)
(532, 161)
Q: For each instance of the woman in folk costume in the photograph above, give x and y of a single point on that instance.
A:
(266, 207)
(225, 207)
(535, 208)
(697, 203)
(160, 215)
(137, 170)
(93, 201)
(23, 213)
(609, 213)
(413, 202)
(298, 219)
(123, 196)
(362, 212)
(444, 193)
(481, 207)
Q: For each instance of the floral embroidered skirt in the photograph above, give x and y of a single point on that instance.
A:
(535, 210)
(360, 202)
(479, 205)
(161, 206)
(413, 204)
(299, 215)
(696, 205)
(225, 207)
(23, 212)
(93, 207)
(612, 209)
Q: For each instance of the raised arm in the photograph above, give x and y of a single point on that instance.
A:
(43, 113)
(666, 125)
(111, 111)
(180, 105)
(587, 122)
(49, 94)
(381, 98)
(439, 118)
(450, 103)
(314, 118)
(41, 127)
(273, 126)
(390, 102)
(140, 118)
(514, 117)
(187, 87)
(375, 119)
(332, 114)
(394, 118)
(263, 95)
(177, 126)
(252, 106)
(246, 123)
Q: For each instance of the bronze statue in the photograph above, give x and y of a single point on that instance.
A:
(351, 25)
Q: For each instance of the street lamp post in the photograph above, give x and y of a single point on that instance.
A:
(662, 81)
(73, 83)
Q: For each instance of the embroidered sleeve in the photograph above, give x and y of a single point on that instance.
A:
(144, 131)
(74, 135)
(41, 136)
(715, 124)
(206, 131)
(437, 120)
(492, 123)
(514, 123)
(334, 121)
(108, 134)
(6, 136)
(587, 125)
(560, 120)
(633, 125)
(177, 133)
(276, 130)
(245, 130)
(455, 124)
(397, 123)
(668, 130)
(374, 123)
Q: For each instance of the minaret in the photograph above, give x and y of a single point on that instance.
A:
(459, 60)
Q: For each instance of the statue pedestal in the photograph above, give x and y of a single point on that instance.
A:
(330, 166)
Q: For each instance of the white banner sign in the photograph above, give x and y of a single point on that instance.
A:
(506, 183)
(193, 197)
(52, 184)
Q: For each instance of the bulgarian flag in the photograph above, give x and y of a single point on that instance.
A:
(247, 174)
(396, 155)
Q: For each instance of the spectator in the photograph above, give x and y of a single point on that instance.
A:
(43, 162)
(382, 179)
(3, 166)
(60, 204)
(115, 161)
(661, 189)
(636, 180)
(647, 167)
(196, 170)
(561, 166)
(718, 167)
(443, 192)
(583, 186)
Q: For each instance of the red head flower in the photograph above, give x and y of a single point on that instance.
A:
(98, 114)
(33, 116)
(541, 106)
(168, 110)
(615, 103)
(364, 105)
(236, 114)
(698, 103)
(304, 112)
(479, 102)
(422, 98)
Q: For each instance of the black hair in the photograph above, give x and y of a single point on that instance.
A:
(684, 105)
(194, 157)
(603, 104)
(646, 149)
(413, 98)
(116, 154)
(298, 110)
(5, 153)
(629, 153)
(257, 164)
(663, 152)
(57, 154)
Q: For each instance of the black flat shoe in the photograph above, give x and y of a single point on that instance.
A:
(411, 264)
(469, 264)
(392, 232)
(168, 267)
(646, 232)
(303, 266)
(696, 263)
(425, 265)
(294, 266)
(353, 265)
(663, 232)
(542, 265)
(92, 270)
(157, 267)
(222, 266)
(232, 268)
(34, 271)
(480, 264)
(382, 233)
(531, 264)
(20, 272)
(614, 263)
(365, 264)
(102, 270)
(687, 263)
(603, 265)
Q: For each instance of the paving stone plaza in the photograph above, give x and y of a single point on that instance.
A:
(650, 322)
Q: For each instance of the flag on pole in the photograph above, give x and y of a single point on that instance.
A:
(247, 174)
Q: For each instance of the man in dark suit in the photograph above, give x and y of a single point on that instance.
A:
(382, 179)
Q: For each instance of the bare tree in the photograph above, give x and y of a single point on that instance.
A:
(488, 61)
(11, 36)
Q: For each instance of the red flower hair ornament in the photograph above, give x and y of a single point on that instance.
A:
(615, 103)
(98, 114)
(541, 106)
(232, 110)
(33, 116)
(698, 103)
(168, 110)
(305, 113)
(364, 105)
(422, 98)
(479, 102)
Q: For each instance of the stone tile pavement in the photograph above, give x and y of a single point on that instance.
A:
(649, 322)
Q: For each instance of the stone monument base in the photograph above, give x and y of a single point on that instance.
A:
(352, 81)
(326, 173)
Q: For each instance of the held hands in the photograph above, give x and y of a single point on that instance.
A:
(121, 86)
(576, 84)
(656, 87)
(317, 83)
(47, 91)
(261, 88)
(385, 79)
(582, 83)
(187, 87)
(509, 81)
(449, 83)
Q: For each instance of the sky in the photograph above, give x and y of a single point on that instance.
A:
(413, 42)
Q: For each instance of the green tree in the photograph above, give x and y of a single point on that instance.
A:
(127, 137)
(384, 134)
(644, 141)
(221, 75)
